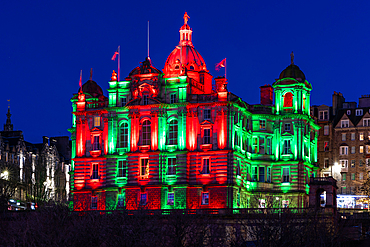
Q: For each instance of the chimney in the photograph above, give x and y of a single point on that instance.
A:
(266, 94)
(45, 140)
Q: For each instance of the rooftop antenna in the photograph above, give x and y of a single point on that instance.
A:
(292, 58)
(80, 83)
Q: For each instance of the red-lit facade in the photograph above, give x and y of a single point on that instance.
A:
(171, 140)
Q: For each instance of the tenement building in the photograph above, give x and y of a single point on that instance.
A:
(344, 141)
(178, 139)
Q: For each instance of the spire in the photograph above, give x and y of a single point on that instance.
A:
(292, 58)
(186, 32)
(8, 126)
(91, 74)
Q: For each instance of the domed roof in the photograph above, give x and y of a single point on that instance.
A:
(145, 67)
(186, 55)
(92, 88)
(293, 71)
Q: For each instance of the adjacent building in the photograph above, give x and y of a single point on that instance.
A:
(178, 139)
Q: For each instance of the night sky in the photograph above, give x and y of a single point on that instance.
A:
(45, 44)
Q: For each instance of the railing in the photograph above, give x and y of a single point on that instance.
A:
(94, 105)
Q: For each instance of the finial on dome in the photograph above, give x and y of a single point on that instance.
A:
(8, 103)
(292, 58)
(91, 74)
(186, 18)
(114, 76)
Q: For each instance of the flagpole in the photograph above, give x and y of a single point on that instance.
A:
(225, 68)
(148, 38)
(119, 61)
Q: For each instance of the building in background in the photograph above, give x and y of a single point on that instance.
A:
(178, 139)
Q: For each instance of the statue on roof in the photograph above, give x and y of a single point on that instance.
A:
(186, 18)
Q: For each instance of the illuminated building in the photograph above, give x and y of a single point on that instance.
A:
(169, 140)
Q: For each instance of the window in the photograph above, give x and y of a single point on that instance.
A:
(238, 168)
(367, 162)
(368, 149)
(268, 178)
(285, 175)
(170, 198)
(262, 124)
(326, 163)
(268, 146)
(95, 172)
(285, 203)
(343, 163)
(207, 114)
(286, 147)
(96, 121)
(122, 169)
(344, 136)
(236, 118)
(146, 132)
(261, 203)
(368, 135)
(254, 174)
(323, 115)
(236, 139)
(171, 170)
(326, 146)
(353, 136)
(288, 100)
(205, 167)
(360, 176)
(262, 145)
(94, 202)
(348, 112)
(261, 177)
(123, 137)
(96, 145)
(353, 163)
(121, 201)
(207, 136)
(361, 136)
(205, 198)
(173, 98)
(344, 176)
(361, 151)
(123, 101)
(366, 122)
(326, 130)
(360, 163)
(173, 132)
(287, 127)
(255, 145)
(144, 167)
(145, 99)
(353, 149)
(143, 198)
(343, 150)
(344, 123)
(358, 112)
(353, 176)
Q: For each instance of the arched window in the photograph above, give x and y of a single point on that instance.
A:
(177, 67)
(173, 132)
(123, 136)
(191, 67)
(304, 101)
(146, 133)
(288, 99)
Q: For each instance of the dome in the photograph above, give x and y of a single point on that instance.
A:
(145, 67)
(293, 71)
(92, 88)
(186, 55)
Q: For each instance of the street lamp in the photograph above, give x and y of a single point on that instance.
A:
(4, 175)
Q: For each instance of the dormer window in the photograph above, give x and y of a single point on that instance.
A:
(348, 112)
(359, 112)
(344, 123)
(288, 100)
(323, 115)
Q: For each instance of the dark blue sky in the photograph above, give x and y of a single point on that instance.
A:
(45, 44)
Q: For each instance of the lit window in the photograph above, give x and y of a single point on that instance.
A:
(344, 176)
(262, 124)
(366, 122)
(207, 114)
(353, 163)
(173, 132)
(261, 173)
(96, 121)
(344, 136)
(326, 146)
(323, 115)
(368, 149)
(285, 175)
(171, 166)
(288, 99)
(343, 163)
(262, 145)
(326, 163)
(146, 132)
(343, 150)
(173, 98)
(261, 203)
(286, 147)
(358, 112)
(361, 150)
(361, 136)
(285, 203)
(123, 140)
(326, 130)
(94, 202)
(144, 167)
(205, 166)
(96, 145)
(145, 99)
(255, 145)
(207, 136)
(344, 123)
(143, 198)
(95, 171)
(353, 149)
(170, 198)
(287, 127)
(205, 198)
(122, 168)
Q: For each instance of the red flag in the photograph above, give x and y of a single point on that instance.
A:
(115, 54)
(80, 79)
(221, 64)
